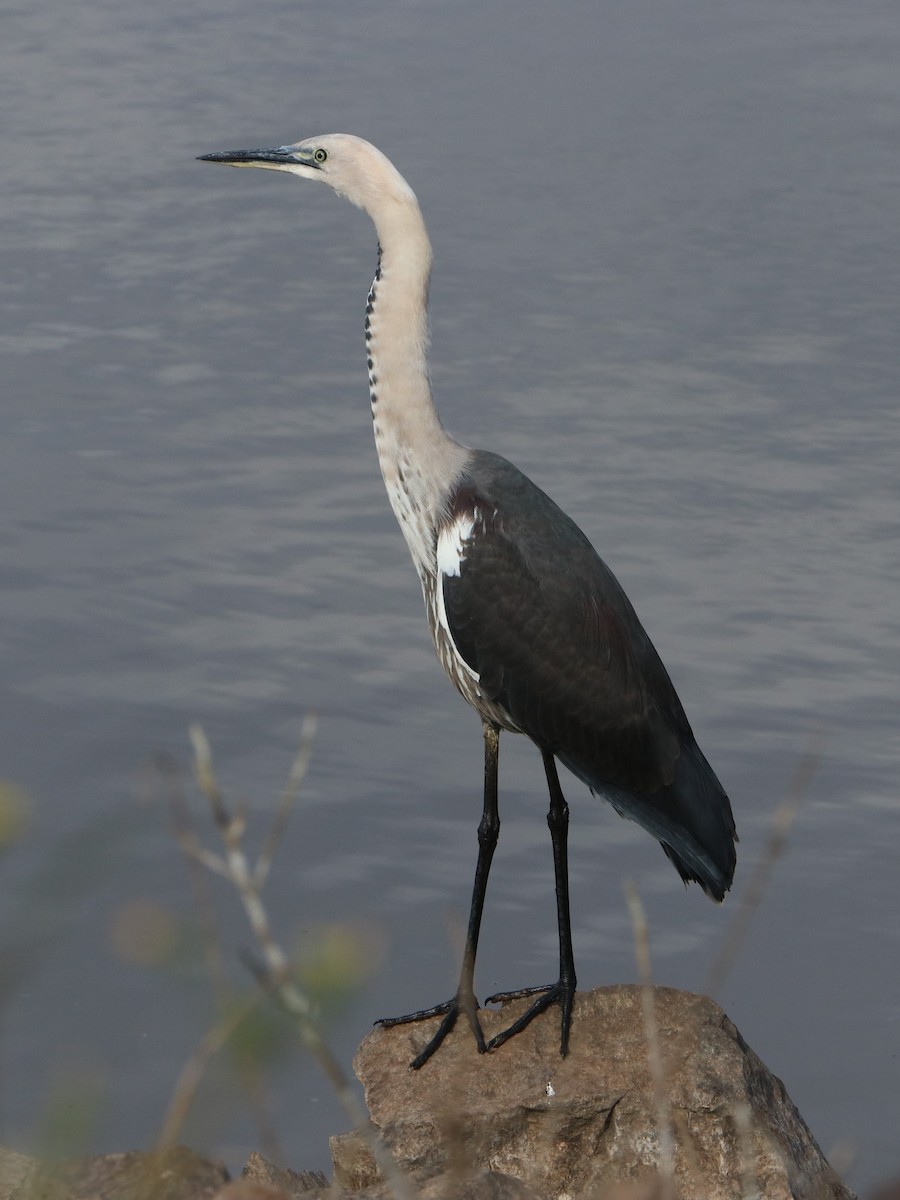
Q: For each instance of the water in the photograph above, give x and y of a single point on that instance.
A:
(666, 286)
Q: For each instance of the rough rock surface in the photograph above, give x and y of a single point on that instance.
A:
(16, 1172)
(176, 1174)
(581, 1125)
(261, 1173)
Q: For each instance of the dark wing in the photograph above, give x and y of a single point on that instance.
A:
(553, 638)
(546, 626)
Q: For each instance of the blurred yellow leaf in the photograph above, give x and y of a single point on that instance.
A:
(144, 933)
(15, 810)
(336, 962)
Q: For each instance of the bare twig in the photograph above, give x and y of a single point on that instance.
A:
(288, 800)
(743, 1130)
(782, 823)
(204, 907)
(228, 1003)
(235, 866)
(195, 1068)
(654, 1048)
(273, 971)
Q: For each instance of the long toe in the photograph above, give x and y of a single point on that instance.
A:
(518, 993)
(449, 1011)
(423, 1014)
(561, 992)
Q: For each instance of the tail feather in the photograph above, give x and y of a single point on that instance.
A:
(701, 807)
(691, 817)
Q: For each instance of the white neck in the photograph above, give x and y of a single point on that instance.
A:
(419, 461)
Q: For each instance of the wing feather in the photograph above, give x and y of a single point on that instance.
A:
(555, 643)
(554, 640)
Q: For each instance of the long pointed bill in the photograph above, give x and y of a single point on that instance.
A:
(275, 160)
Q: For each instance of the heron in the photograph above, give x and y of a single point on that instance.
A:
(528, 621)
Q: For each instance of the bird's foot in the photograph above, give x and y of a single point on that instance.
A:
(462, 1002)
(562, 993)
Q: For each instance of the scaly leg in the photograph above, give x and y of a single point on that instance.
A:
(563, 991)
(464, 1001)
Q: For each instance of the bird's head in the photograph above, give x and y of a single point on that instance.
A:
(350, 165)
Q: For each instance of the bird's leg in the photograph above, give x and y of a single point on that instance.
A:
(464, 1001)
(563, 991)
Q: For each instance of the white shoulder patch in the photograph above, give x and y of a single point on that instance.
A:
(450, 545)
(450, 559)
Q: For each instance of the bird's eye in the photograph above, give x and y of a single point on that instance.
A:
(320, 156)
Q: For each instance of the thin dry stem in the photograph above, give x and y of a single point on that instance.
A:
(204, 905)
(782, 823)
(654, 1047)
(203, 864)
(289, 798)
(743, 1128)
(195, 1068)
(273, 972)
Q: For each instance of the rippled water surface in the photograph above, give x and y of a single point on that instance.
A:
(666, 285)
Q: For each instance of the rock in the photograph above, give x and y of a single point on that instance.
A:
(354, 1166)
(176, 1174)
(245, 1189)
(282, 1180)
(482, 1185)
(15, 1173)
(581, 1125)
